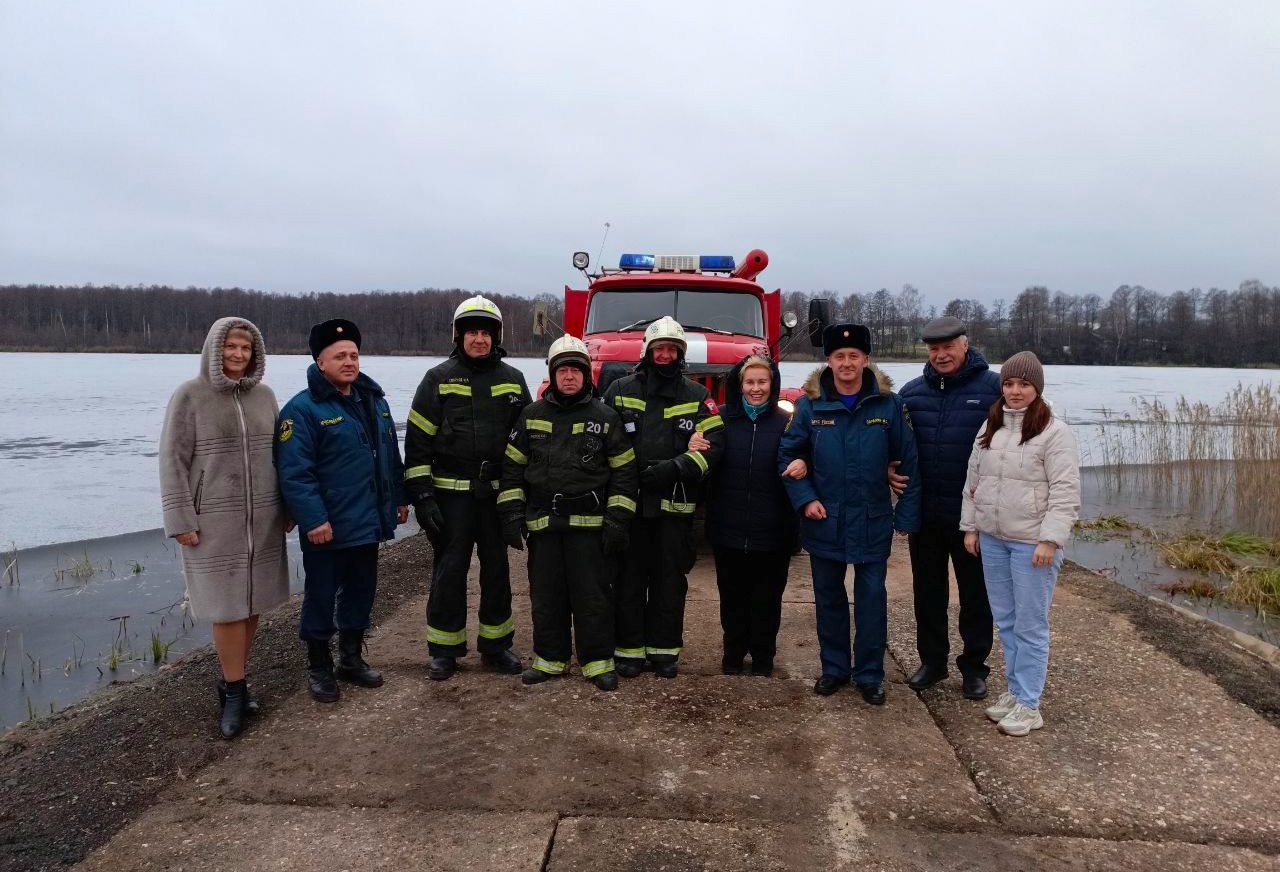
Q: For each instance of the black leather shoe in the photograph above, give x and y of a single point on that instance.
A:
(442, 668)
(606, 681)
(351, 664)
(251, 707)
(975, 687)
(534, 676)
(873, 694)
(665, 669)
(504, 662)
(233, 711)
(320, 679)
(828, 684)
(628, 667)
(926, 676)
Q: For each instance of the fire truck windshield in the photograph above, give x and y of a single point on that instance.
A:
(695, 310)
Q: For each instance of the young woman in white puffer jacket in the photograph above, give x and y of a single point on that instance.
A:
(1021, 498)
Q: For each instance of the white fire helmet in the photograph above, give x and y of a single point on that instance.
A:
(568, 349)
(480, 308)
(665, 329)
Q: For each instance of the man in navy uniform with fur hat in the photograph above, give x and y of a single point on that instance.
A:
(849, 427)
(340, 474)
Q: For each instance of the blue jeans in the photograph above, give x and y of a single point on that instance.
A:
(1020, 594)
(870, 615)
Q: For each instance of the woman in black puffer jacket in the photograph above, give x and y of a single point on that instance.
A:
(750, 522)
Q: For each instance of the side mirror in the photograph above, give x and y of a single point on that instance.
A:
(819, 318)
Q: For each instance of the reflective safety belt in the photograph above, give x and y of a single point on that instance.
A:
(678, 508)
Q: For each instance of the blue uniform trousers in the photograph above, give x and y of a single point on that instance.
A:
(339, 589)
(870, 614)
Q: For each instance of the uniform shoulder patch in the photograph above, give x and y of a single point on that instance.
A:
(712, 408)
(286, 429)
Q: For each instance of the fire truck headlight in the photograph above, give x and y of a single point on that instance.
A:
(789, 319)
(786, 406)
(581, 260)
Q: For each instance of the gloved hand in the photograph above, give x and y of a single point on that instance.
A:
(616, 537)
(514, 531)
(662, 476)
(430, 519)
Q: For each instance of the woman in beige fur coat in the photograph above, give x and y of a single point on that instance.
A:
(221, 502)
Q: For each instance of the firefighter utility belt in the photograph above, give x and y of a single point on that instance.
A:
(564, 505)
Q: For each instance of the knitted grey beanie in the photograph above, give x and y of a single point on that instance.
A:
(1026, 366)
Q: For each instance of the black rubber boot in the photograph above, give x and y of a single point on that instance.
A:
(606, 681)
(534, 676)
(233, 710)
(351, 665)
(504, 661)
(251, 707)
(320, 679)
(628, 667)
(442, 668)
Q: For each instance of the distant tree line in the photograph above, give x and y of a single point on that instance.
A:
(1135, 326)
(172, 320)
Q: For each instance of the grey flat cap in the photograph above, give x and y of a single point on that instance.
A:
(942, 329)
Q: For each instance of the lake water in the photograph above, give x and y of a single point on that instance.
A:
(97, 580)
(78, 436)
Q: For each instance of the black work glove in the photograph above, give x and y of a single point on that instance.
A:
(615, 536)
(662, 476)
(430, 519)
(514, 531)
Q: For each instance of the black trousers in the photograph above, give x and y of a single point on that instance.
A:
(930, 550)
(751, 585)
(469, 522)
(652, 587)
(338, 591)
(570, 587)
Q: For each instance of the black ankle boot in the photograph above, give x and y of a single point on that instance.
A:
(320, 679)
(233, 710)
(251, 707)
(351, 665)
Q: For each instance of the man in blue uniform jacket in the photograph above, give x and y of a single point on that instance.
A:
(849, 428)
(948, 404)
(338, 463)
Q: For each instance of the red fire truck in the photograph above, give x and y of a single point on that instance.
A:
(725, 313)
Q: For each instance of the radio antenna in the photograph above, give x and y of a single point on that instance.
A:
(600, 253)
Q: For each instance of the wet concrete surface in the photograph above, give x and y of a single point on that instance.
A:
(1147, 760)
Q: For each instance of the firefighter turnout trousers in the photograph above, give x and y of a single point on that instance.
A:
(651, 589)
(570, 581)
(469, 521)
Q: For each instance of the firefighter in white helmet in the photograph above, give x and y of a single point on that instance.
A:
(660, 410)
(569, 485)
(458, 426)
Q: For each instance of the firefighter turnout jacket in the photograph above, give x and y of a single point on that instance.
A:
(567, 466)
(461, 416)
(659, 415)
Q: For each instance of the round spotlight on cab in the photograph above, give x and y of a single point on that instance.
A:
(790, 320)
(581, 260)
(786, 406)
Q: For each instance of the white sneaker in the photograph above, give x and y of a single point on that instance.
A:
(1003, 706)
(1021, 721)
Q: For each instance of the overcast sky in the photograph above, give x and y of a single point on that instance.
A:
(970, 149)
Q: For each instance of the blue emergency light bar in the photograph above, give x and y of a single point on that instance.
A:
(637, 261)
(716, 263)
(707, 262)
